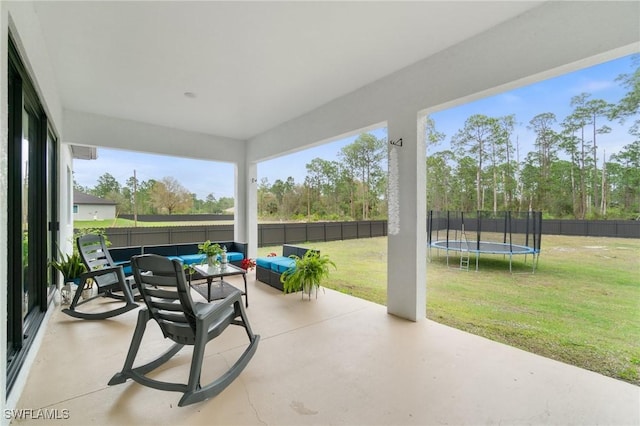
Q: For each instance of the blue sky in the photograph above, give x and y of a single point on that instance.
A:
(551, 95)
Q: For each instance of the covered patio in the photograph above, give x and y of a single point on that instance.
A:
(334, 360)
(244, 82)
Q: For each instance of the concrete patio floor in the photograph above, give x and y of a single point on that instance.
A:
(335, 360)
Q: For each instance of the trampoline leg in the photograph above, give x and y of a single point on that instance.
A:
(477, 256)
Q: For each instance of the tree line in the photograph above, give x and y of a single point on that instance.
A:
(353, 187)
(350, 188)
(164, 196)
(567, 175)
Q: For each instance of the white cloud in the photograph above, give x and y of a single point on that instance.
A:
(593, 86)
(510, 98)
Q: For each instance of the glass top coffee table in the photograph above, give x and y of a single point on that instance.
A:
(220, 288)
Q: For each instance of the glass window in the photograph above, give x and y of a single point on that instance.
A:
(32, 224)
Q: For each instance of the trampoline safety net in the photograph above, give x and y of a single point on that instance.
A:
(508, 233)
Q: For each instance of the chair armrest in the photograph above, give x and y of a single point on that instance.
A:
(206, 312)
(99, 272)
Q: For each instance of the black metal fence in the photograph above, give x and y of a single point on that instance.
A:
(140, 236)
(268, 234)
(290, 233)
(274, 234)
(178, 217)
(584, 228)
(592, 228)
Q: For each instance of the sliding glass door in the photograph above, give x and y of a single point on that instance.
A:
(32, 215)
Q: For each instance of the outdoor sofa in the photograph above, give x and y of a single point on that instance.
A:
(186, 252)
(269, 269)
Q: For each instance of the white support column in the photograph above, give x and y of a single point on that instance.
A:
(246, 206)
(240, 201)
(251, 210)
(407, 234)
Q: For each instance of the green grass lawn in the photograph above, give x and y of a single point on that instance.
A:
(582, 305)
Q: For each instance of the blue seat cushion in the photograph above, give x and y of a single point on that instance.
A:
(282, 264)
(264, 262)
(126, 267)
(190, 259)
(277, 264)
(234, 256)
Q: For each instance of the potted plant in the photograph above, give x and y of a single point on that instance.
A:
(71, 267)
(212, 251)
(248, 264)
(307, 274)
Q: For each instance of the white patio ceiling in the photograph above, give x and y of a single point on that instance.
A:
(249, 65)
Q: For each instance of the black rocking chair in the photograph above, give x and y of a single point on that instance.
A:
(167, 296)
(106, 275)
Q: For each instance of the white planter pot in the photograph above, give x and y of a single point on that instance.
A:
(67, 292)
(87, 293)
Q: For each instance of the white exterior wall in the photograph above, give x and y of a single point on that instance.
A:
(95, 212)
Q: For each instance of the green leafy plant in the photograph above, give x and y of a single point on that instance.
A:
(307, 274)
(70, 265)
(210, 249)
(189, 271)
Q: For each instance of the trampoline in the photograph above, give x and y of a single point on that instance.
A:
(503, 233)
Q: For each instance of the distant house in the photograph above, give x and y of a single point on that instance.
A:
(88, 207)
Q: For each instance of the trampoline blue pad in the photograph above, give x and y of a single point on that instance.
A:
(483, 247)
